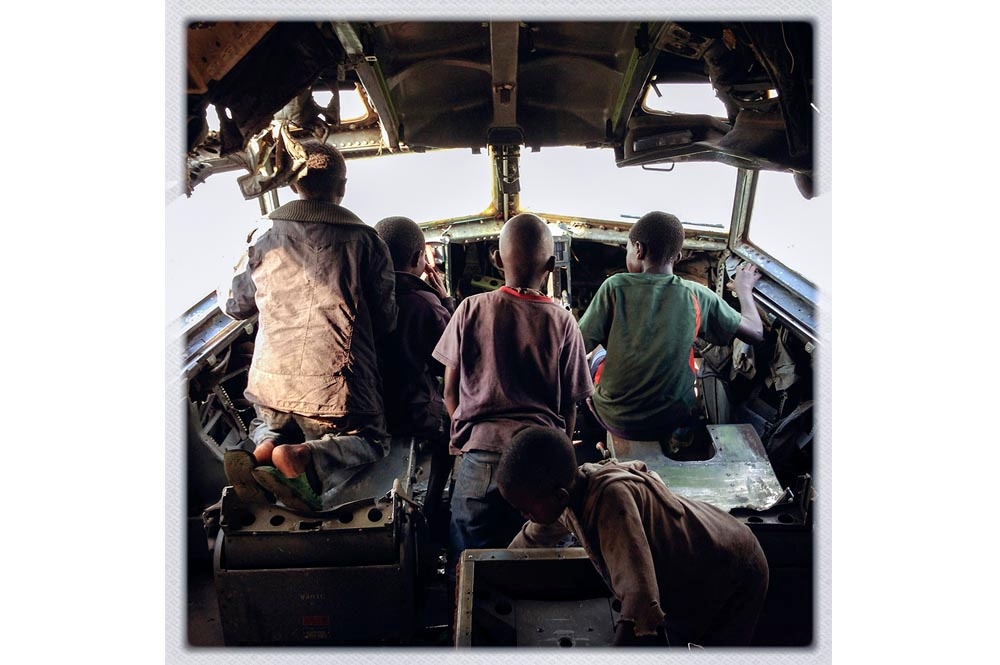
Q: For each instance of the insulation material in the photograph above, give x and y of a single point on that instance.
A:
(743, 360)
(783, 374)
(289, 160)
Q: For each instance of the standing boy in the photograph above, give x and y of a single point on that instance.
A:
(683, 570)
(512, 358)
(321, 283)
(413, 404)
(648, 319)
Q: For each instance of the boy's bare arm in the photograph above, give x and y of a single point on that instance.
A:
(751, 328)
(451, 390)
(533, 534)
(595, 324)
(569, 415)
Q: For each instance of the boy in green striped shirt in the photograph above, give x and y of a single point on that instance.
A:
(648, 319)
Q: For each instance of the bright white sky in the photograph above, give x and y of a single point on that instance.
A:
(206, 233)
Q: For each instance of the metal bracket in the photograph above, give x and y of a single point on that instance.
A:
(503, 65)
(230, 409)
(646, 167)
(720, 273)
(373, 80)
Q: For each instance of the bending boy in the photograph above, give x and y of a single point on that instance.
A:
(684, 571)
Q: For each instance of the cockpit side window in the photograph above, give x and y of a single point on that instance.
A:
(790, 228)
(205, 236)
(352, 107)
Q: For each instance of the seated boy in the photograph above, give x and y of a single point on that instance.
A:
(648, 319)
(684, 571)
(512, 357)
(412, 395)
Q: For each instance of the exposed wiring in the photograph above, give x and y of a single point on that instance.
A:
(792, 70)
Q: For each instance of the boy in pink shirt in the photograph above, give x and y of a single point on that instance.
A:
(512, 358)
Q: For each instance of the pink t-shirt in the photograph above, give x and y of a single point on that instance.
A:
(520, 359)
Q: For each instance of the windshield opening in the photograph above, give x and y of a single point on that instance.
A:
(581, 182)
(422, 186)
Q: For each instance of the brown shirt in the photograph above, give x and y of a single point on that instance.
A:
(668, 559)
(521, 362)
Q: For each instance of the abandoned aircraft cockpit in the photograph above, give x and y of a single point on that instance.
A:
(460, 126)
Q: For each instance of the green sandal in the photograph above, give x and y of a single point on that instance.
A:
(296, 493)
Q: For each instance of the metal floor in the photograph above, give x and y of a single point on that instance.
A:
(204, 628)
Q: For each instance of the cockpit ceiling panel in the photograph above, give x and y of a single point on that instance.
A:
(438, 84)
(441, 79)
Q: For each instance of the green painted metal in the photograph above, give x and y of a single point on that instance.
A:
(633, 80)
(739, 475)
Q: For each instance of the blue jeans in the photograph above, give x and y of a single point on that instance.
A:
(480, 517)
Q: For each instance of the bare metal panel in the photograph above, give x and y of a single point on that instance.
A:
(265, 535)
(376, 479)
(537, 597)
(214, 48)
(342, 576)
(314, 606)
(738, 475)
(361, 526)
(565, 623)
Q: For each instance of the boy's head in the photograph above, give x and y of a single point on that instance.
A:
(656, 239)
(527, 251)
(406, 244)
(324, 176)
(536, 473)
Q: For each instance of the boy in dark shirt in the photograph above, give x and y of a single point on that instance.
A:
(413, 404)
(512, 357)
(648, 319)
(684, 571)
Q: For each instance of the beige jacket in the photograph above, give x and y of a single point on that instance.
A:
(323, 286)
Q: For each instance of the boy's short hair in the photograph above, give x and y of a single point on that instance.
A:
(539, 459)
(529, 236)
(661, 233)
(403, 238)
(325, 171)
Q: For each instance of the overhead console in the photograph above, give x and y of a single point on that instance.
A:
(762, 73)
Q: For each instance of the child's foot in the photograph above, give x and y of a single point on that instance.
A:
(291, 459)
(239, 465)
(262, 453)
(296, 493)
